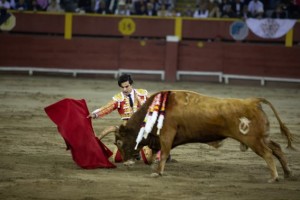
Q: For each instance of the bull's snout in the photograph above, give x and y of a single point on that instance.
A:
(129, 163)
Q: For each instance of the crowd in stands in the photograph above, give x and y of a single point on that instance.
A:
(199, 9)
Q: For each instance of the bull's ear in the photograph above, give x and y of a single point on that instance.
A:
(119, 143)
(121, 131)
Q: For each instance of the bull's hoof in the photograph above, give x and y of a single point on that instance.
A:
(155, 175)
(273, 180)
(243, 147)
(154, 166)
(288, 174)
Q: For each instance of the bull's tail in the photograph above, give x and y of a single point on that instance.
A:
(284, 130)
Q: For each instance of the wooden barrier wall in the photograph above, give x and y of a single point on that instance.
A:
(96, 42)
(85, 53)
(240, 58)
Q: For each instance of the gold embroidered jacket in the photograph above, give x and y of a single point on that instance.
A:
(121, 103)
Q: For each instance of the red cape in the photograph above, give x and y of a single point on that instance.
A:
(70, 116)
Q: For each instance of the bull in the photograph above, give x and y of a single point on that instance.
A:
(190, 117)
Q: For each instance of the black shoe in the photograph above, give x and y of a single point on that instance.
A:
(138, 157)
(169, 159)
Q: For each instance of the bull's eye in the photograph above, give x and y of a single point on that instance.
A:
(119, 143)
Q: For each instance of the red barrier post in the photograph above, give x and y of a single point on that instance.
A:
(171, 62)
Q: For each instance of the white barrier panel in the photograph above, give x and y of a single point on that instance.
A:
(117, 73)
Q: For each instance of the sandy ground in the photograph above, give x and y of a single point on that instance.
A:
(35, 165)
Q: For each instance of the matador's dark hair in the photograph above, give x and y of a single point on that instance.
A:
(123, 78)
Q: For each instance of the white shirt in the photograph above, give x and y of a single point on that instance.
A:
(202, 14)
(255, 7)
(6, 5)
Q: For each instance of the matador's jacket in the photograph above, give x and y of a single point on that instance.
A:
(121, 103)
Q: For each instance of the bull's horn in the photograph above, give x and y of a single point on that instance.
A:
(110, 129)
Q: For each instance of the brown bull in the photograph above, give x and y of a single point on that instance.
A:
(191, 117)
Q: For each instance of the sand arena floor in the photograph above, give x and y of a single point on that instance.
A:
(35, 165)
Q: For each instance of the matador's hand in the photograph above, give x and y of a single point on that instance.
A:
(92, 115)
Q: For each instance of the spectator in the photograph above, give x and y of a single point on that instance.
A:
(224, 6)
(68, 5)
(293, 7)
(256, 8)
(214, 10)
(141, 9)
(155, 5)
(43, 4)
(101, 7)
(228, 12)
(188, 11)
(201, 11)
(96, 5)
(22, 5)
(85, 6)
(245, 13)
(4, 15)
(237, 7)
(151, 11)
(4, 4)
(38, 5)
(113, 5)
(140, 6)
(174, 12)
(12, 4)
(163, 12)
(130, 6)
(169, 4)
(54, 7)
(279, 13)
(271, 4)
(122, 9)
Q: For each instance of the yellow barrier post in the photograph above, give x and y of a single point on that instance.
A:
(289, 38)
(68, 26)
(178, 27)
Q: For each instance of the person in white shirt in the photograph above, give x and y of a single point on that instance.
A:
(54, 7)
(4, 4)
(201, 11)
(256, 8)
(122, 9)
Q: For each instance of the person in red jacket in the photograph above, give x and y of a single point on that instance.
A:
(127, 102)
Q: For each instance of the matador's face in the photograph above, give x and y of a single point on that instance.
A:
(126, 88)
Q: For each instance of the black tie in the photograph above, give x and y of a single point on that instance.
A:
(130, 100)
